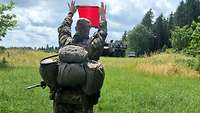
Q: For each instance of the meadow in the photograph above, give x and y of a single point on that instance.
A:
(156, 84)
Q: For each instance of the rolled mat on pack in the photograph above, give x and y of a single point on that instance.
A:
(72, 54)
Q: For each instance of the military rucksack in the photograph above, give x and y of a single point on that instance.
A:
(79, 71)
(49, 71)
(72, 54)
(73, 70)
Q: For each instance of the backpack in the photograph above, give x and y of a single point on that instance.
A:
(73, 70)
(79, 72)
(49, 71)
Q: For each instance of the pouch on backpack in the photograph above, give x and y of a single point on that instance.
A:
(49, 71)
(95, 77)
(71, 75)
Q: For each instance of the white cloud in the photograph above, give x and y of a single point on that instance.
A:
(33, 27)
(38, 20)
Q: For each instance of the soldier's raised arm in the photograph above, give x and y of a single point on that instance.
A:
(103, 25)
(64, 31)
(98, 41)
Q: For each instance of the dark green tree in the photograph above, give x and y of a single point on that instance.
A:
(166, 33)
(7, 20)
(140, 40)
(159, 30)
(124, 39)
(171, 23)
(147, 21)
(187, 12)
(180, 15)
(192, 10)
(171, 27)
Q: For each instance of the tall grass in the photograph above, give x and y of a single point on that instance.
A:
(14, 98)
(23, 57)
(167, 64)
(127, 87)
(129, 90)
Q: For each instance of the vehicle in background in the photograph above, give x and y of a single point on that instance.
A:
(131, 54)
(114, 49)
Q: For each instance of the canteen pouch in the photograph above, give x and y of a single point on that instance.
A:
(95, 77)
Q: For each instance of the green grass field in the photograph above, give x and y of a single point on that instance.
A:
(129, 87)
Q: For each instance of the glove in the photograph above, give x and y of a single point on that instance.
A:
(43, 84)
(97, 43)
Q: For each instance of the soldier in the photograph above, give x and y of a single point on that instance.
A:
(75, 100)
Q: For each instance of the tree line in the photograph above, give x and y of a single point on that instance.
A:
(180, 31)
(49, 48)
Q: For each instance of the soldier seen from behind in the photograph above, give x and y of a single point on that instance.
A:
(80, 76)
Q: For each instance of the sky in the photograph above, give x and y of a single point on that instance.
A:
(38, 20)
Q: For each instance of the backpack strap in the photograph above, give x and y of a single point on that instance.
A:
(48, 57)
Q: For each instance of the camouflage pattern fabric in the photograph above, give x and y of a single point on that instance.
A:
(64, 31)
(70, 108)
(67, 101)
(74, 102)
(93, 44)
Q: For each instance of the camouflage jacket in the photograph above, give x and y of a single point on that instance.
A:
(94, 45)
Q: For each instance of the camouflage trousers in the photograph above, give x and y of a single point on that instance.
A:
(71, 102)
(71, 108)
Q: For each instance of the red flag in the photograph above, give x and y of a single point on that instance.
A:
(91, 13)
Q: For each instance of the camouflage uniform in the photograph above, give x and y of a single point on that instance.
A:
(74, 100)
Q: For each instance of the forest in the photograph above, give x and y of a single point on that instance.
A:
(179, 31)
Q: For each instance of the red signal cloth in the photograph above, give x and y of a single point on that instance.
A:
(91, 13)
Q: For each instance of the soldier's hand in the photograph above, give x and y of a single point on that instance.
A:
(103, 11)
(72, 7)
(43, 84)
(97, 43)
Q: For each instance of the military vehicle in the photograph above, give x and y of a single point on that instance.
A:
(114, 49)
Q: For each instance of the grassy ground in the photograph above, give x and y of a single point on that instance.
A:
(130, 85)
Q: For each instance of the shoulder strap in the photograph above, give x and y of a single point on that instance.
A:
(48, 57)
